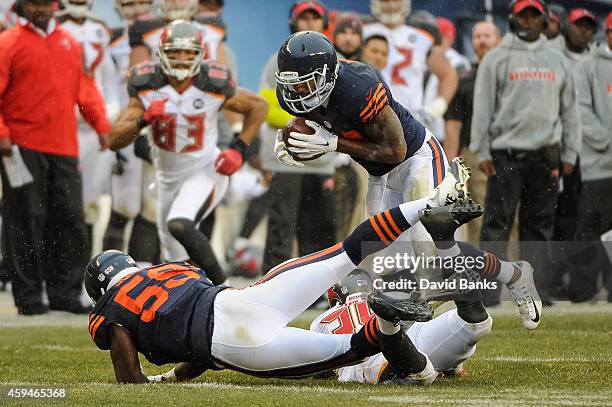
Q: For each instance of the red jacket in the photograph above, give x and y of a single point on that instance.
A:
(41, 82)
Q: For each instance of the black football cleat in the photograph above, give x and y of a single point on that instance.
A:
(442, 222)
(412, 308)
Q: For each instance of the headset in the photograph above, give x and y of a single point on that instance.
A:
(293, 23)
(512, 17)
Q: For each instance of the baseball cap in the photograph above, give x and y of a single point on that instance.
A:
(349, 21)
(609, 22)
(521, 5)
(307, 6)
(447, 28)
(579, 13)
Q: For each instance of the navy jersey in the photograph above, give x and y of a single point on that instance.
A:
(359, 94)
(166, 309)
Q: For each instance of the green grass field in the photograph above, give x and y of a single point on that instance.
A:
(567, 361)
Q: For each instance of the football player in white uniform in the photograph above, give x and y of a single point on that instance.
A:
(180, 98)
(132, 196)
(412, 52)
(447, 340)
(145, 33)
(94, 37)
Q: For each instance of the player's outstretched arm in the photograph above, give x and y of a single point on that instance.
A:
(447, 75)
(125, 356)
(253, 107)
(126, 127)
(181, 372)
(387, 143)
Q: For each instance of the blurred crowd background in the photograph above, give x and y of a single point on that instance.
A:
(541, 159)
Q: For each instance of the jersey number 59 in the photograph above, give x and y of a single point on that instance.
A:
(172, 278)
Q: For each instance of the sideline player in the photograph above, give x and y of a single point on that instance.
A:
(145, 33)
(180, 99)
(412, 52)
(361, 118)
(94, 37)
(172, 313)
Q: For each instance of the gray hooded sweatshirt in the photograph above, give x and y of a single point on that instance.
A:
(525, 99)
(594, 82)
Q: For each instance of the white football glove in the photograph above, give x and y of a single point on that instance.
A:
(309, 145)
(165, 377)
(281, 153)
(436, 108)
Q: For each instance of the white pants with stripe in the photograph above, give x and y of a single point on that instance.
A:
(447, 340)
(250, 325)
(193, 198)
(413, 179)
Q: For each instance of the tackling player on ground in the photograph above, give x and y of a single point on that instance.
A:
(180, 99)
(447, 340)
(172, 313)
(352, 111)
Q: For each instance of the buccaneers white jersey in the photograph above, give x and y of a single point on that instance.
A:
(147, 32)
(119, 49)
(349, 318)
(94, 37)
(407, 65)
(186, 139)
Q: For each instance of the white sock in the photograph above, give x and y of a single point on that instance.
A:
(387, 327)
(411, 209)
(453, 251)
(506, 271)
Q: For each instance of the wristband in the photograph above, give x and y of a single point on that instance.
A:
(240, 146)
(141, 123)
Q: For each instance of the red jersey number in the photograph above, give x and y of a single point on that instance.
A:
(164, 132)
(351, 318)
(396, 78)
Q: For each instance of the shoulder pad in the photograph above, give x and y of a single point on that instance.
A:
(138, 30)
(145, 76)
(215, 21)
(116, 33)
(215, 78)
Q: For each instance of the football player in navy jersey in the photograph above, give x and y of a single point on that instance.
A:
(351, 110)
(171, 313)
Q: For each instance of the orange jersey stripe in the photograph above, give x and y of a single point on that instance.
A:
(380, 91)
(375, 110)
(307, 259)
(92, 322)
(438, 160)
(377, 230)
(392, 222)
(385, 226)
(97, 325)
(371, 105)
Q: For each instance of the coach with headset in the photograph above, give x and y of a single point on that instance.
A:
(525, 132)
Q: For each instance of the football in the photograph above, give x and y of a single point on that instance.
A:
(298, 125)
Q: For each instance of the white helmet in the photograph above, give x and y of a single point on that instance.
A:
(77, 8)
(179, 9)
(390, 11)
(180, 35)
(128, 10)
